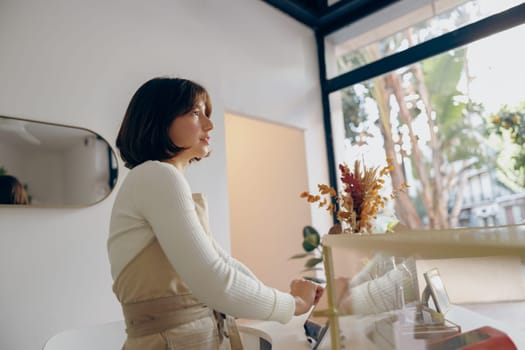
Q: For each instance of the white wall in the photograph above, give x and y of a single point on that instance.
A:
(78, 63)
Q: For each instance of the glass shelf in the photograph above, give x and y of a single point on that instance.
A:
(467, 242)
(429, 244)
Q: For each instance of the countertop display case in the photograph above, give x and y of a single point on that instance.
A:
(373, 296)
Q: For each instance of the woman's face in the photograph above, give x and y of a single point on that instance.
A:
(192, 131)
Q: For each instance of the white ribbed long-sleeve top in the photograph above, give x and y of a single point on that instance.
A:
(155, 201)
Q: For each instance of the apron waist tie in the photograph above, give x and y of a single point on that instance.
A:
(157, 315)
(228, 328)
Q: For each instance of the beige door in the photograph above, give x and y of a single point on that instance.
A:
(266, 166)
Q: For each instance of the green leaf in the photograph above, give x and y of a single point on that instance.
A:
(309, 230)
(314, 279)
(312, 269)
(313, 261)
(311, 238)
(311, 242)
(391, 225)
(300, 256)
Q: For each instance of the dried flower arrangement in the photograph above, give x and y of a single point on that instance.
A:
(359, 203)
(360, 199)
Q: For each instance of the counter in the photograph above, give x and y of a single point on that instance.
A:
(291, 336)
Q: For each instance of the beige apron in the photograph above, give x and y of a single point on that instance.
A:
(161, 312)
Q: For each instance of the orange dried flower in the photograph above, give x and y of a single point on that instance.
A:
(360, 198)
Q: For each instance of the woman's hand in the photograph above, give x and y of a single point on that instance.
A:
(306, 294)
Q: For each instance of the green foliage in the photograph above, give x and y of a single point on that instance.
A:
(314, 279)
(311, 242)
(311, 239)
(353, 113)
(301, 255)
(455, 114)
(509, 126)
(312, 262)
(442, 74)
(310, 231)
(2, 170)
(353, 103)
(434, 102)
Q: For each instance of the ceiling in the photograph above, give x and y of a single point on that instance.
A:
(324, 18)
(30, 136)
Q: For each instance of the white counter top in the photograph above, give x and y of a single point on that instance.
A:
(469, 320)
(291, 336)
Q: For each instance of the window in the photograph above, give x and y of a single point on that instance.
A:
(443, 122)
(400, 26)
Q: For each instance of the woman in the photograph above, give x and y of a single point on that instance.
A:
(174, 282)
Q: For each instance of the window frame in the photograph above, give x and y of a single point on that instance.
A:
(485, 27)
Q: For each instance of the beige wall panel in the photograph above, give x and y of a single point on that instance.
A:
(266, 167)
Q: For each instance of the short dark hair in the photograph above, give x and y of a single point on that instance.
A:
(144, 133)
(12, 191)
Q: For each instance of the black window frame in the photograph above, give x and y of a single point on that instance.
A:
(483, 28)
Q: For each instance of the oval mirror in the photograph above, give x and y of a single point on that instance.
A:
(55, 165)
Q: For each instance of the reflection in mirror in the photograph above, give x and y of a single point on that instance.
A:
(57, 165)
